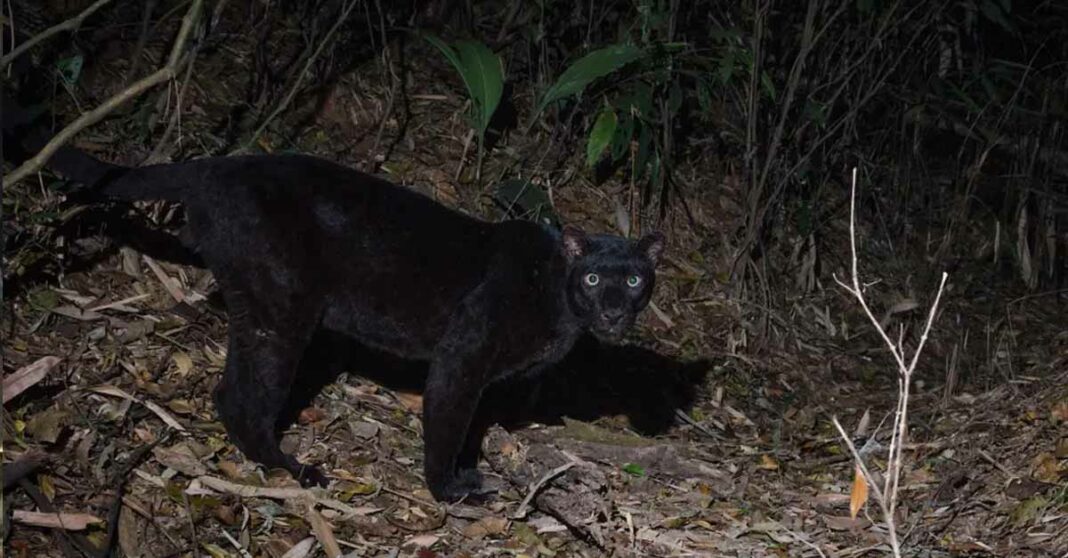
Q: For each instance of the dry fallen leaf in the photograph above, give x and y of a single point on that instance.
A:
(836, 523)
(422, 541)
(25, 377)
(1046, 468)
(180, 458)
(181, 406)
(46, 425)
(182, 362)
(768, 463)
(309, 415)
(56, 520)
(1059, 412)
(301, 549)
(230, 469)
(324, 532)
(411, 401)
(485, 527)
(105, 389)
(859, 496)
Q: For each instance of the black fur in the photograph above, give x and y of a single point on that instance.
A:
(299, 245)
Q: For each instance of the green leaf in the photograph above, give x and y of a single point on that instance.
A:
(769, 86)
(816, 112)
(634, 469)
(704, 96)
(674, 99)
(585, 70)
(726, 66)
(523, 200)
(637, 100)
(993, 12)
(621, 139)
(601, 135)
(645, 147)
(482, 74)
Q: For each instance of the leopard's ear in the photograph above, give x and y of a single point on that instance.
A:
(574, 242)
(652, 246)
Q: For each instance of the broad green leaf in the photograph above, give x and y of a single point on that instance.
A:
(674, 99)
(645, 148)
(726, 66)
(654, 168)
(637, 100)
(704, 96)
(601, 135)
(634, 469)
(482, 74)
(621, 139)
(993, 12)
(816, 112)
(484, 78)
(769, 86)
(521, 199)
(585, 70)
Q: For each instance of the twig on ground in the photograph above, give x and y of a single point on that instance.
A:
(120, 478)
(71, 544)
(700, 427)
(240, 549)
(408, 497)
(192, 523)
(997, 465)
(139, 509)
(96, 115)
(247, 491)
(537, 486)
(887, 495)
(71, 24)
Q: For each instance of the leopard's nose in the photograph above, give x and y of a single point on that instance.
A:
(612, 316)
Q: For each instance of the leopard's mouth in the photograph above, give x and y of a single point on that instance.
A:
(606, 332)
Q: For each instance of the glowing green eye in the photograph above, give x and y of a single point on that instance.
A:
(634, 281)
(592, 279)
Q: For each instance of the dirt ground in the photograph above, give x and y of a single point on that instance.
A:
(121, 426)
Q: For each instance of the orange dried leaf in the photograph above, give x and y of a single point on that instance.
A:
(859, 496)
(411, 401)
(768, 463)
(311, 414)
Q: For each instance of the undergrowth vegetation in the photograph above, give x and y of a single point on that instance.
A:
(955, 110)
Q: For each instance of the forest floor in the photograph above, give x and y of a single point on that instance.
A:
(120, 426)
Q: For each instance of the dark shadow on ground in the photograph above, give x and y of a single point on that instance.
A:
(594, 380)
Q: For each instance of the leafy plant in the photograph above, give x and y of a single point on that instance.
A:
(586, 70)
(520, 199)
(483, 75)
